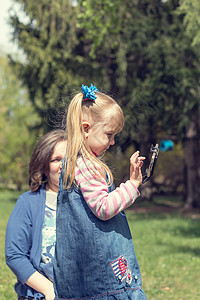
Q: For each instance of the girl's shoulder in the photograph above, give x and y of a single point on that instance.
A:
(89, 168)
(84, 162)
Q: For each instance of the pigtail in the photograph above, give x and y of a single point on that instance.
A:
(77, 142)
(75, 135)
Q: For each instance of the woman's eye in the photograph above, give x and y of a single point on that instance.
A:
(55, 160)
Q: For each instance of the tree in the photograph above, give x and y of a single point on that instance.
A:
(156, 69)
(191, 11)
(16, 139)
(191, 141)
(136, 49)
(185, 77)
(56, 56)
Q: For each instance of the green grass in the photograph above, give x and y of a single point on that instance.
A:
(7, 278)
(168, 251)
(167, 248)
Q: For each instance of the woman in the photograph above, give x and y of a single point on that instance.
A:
(30, 233)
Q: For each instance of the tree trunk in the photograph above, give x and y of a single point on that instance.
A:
(191, 157)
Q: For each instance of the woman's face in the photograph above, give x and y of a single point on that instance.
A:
(55, 166)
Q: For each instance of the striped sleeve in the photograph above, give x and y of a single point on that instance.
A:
(104, 205)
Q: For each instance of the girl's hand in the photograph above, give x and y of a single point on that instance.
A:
(136, 162)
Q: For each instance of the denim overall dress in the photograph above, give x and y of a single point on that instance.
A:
(94, 259)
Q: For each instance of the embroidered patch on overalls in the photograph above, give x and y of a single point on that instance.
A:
(128, 277)
(119, 267)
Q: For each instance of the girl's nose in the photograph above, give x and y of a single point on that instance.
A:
(112, 142)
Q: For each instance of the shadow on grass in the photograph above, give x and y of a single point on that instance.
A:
(194, 251)
(188, 230)
(163, 206)
(9, 195)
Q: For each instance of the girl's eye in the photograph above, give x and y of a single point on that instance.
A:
(109, 134)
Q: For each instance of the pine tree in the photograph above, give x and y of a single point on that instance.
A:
(56, 56)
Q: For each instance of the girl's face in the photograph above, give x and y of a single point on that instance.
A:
(99, 137)
(55, 166)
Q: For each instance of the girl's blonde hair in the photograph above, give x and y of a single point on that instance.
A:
(77, 142)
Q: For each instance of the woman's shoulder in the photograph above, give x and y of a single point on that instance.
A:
(31, 196)
(29, 205)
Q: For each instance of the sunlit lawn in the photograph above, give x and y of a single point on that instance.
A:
(7, 279)
(167, 248)
(168, 251)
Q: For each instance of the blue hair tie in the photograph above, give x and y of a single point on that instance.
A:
(89, 92)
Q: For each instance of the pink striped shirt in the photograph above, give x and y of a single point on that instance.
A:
(104, 205)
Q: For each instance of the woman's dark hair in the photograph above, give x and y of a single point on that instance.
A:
(41, 156)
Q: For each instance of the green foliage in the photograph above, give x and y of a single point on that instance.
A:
(170, 180)
(191, 10)
(100, 19)
(17, 116)
(139, 50)
(56, 58)
(154, 69)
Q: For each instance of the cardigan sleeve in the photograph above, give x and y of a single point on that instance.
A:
(19, 240)
(94, 188)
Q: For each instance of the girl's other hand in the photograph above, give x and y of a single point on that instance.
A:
(136, 162)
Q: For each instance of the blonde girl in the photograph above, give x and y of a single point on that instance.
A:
(94, 256)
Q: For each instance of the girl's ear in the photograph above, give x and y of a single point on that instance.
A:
(86, 127)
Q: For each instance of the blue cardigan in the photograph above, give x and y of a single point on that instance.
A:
(24, 239)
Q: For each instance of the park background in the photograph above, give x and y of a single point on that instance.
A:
(145, 54)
